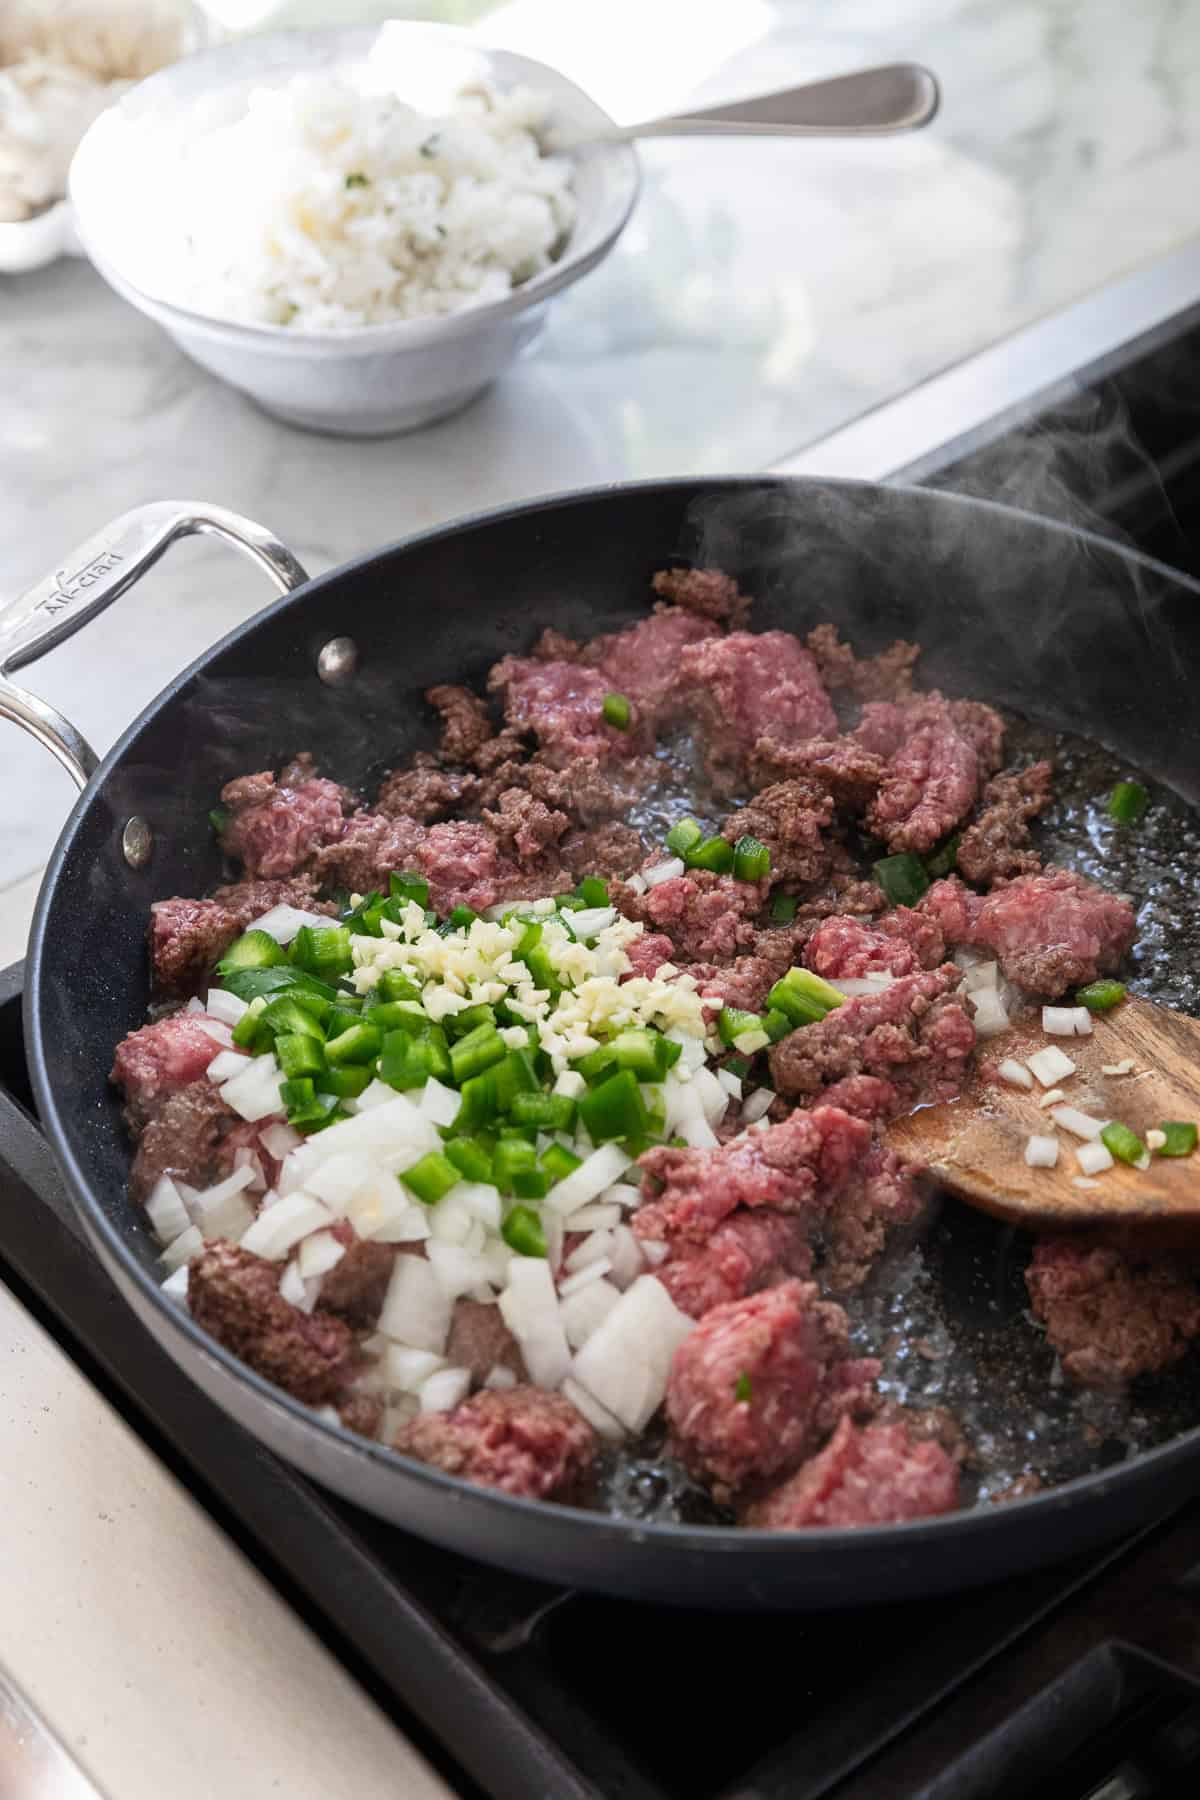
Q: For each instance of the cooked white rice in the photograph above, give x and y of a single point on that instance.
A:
(326, 206)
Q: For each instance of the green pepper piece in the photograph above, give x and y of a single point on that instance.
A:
(1122, 1143)
(803, 996)
(783, 909)
(249, 1030)
(941, 861)
(530, 1184)
(596, 1065)
(614, 1109)
(512, 1155)
(522, 1232)
(253, 984)
(284, 1016)
(751, 859)
(407, 886)
(570, 903)
(322, 950)
(684, 836)
(1101, 996)
(299, 1054)
(547, 1112)
(478, 1095)
(349, 1082)
(459, 917)
(1127, 802)
(398, 1015)
(733, 1023)
(542, 969)
(517, 1074)
(253, 950)
(322, 1110)
(737, 1065)
(475, 1052)
(459, 1024)
(615, 708)
(340, 1018)
(902, 878)
(394, 984)
(432, 1177)
(714, 854)
(635, 1048)
(558, 1161)
(360, 1044)
(777, 1025)
(592, 891)
(471, 1157)
(297, 1093)
(1180, 1135)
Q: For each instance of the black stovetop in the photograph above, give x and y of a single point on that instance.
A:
(1078, 1683)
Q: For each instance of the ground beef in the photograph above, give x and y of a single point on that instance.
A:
(841, 766)
(1050, 932)
(370, 847)
(234, 1295)
(480, 1341)
(249, 900)
(427, 792)
(466, 722)
(274, 827)
(704, 915)
(608, 851)
(522, 1440)
(589, 793)
(887, 676)
(186, 938)
(355, 1287)
(525, 828)
(461, 864)
(184, 1138)
(749, 1251)
(157, 1060)
(842, 948)
(996, 846)
(746, 1385)
(855, 1231)
(886, 726)
(747, 686)
(863, 1096)
(1109, 1318)
(790, 818)
(362, 1413)
(929, 785)
(706, 592)
(642, 661)
(798, 1166)
(647, 954)
(872, 1475)
(917, 1034)
(745, 982)
(562, 703)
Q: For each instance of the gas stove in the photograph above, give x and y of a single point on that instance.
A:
(1077, 1683)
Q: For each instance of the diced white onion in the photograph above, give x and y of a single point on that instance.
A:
(318, 1254)
(166, 1211)
(731, 1084)
(283, 922)
(1041, 1152)
(595, 1245)
(1083, 1021)
(189, 1243)
(590, 921)
(254, 1094)
(597, 1172)
(1015, 1073)
(627, 1259)
(598, 1216)
(1050, 1065)
(757, 1105)
(856, 986)
(226, 1210)
(226, 1064)
(279, 1227)
(193, 1007)
(406, 1370)
(571, 1083)
(711, 1095)
(1083, 1181)
(481, 1200)
(500, 1378)
(176, 1284)
(439, 1104)
(1124, 1067)
(663, 871)
(586, 1308)
(279, 1140)
(377, 1093)
(1155, 1139)
(1059, 1021)
(654, 1252)
(594, 1271)
(622, 1194)
(225, 1006)
(637, 883)
(458, 1270)
(529, 1307)
(625, 1363)
(445, 1390)
(220, 1034)
(698, 1133)
(991, 1014)
(1079, 1124)
(450, 1220)
(246, 1158)
(416, 1309)
(590, 1409)
(1051, 1097)
(292, 1288)
(1094, 1158)
(981, 977)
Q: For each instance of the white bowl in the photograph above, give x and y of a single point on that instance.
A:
(370, 380)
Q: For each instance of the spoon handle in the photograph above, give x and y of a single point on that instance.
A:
(868, 103)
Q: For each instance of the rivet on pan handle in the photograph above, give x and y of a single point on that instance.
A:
(90, 579)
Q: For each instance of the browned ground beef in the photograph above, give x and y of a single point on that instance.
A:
(466, 721)
(898, 943)
(187, 936)
(841, 765)
(522, 1440)
(525, 828)
(790, 818)
(917, 1034)
(996, 845)
(704, 591)
(604, 850)
(235, 1296)
(355, 1287)
(427, 792)
(157, 1060)
(1051, 931)
(480, 1341)
(855, 1230)
(1109, 1318)
(183, 1138)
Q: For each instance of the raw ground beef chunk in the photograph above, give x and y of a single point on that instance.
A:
(795, 1167)
(355, 1287)
(641, 662)
(275, 826)
(887, 676)
(459, 859)
(562, 702)
(647, 954)
(748, 1251)
(1109, 1318)
(747, 1385)
(704, 915)
(841, 766)
(898, 943)
(523, 1440)
(1050, 931)
(855, 1230)
(916, 1034)
(996, 846)
(157, 1060)
(929, 785)
(747, 980)
(865, 1475)
(480, 1341)
(188, 936)
(370, 847)
(885, 727)
(704, 591)
(185, 1138)
(789, 818)
(747, 686)
(235, 1296)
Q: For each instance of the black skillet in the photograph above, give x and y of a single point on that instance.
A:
(1056, 624)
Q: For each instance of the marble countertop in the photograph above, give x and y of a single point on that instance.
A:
(765, 294)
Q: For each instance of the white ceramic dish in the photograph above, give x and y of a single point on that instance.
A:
(32, 243)
(375, 379)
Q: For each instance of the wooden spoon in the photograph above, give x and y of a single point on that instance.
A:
(975, 1145)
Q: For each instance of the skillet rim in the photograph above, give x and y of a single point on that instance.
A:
(639, 1536)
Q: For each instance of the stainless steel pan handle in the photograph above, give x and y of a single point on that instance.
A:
(91, 579)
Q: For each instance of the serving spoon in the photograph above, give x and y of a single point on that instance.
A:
(975, 1145)
(869, 103)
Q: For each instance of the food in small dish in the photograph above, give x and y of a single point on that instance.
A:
(530, 1122)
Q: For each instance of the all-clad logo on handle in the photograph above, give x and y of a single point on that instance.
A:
(71, 586)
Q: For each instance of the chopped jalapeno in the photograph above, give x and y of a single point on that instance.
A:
(751, 859)
(1101, 996)
(803, 996)
(253, 950)
(407, 886)
(432, 1177)
(783, 909)
(902, 878)
(592, 891)
(522, 1232)
(732, 1023)
(942, 861)
(714, 854)
(684, 836)
(616, 711)
(1122, 1143)
(1180, 1135)
(558, 1161)
(1127, 802)
(614, 1109)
